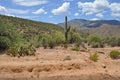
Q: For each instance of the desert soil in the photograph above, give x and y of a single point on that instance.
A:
(61, 64)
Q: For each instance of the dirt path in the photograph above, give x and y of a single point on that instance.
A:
(60, 64)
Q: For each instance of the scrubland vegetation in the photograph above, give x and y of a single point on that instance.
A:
(19, 37)
(94, 57)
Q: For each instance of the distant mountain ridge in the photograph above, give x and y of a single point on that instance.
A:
(104, 30)
(82, 23)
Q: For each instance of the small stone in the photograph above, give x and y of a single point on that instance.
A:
(103, 66)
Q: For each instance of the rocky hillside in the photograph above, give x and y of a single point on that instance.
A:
(82, 23)
(104, 30)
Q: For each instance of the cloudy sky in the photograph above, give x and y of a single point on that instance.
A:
(53, 11)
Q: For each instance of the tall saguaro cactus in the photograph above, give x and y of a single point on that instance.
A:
(67, 29)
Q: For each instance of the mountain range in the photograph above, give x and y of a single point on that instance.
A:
(99, 27)
(82, 23)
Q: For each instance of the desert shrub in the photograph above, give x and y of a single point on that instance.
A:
(9, 36)
(58, 37)
(27, 51)
(113, 41)
(52, 43)
(35, 41)
(21, 50)
(95, 41)
(74, 36)
(114, 54)
(65, 45)
(118, 41)
(106, 40)
(48, 41)
(13, 51)
(45, 41)
(4, 43)
(76, 48)
(94, 57)
(93, 38)
(97, 45)
(52, 39)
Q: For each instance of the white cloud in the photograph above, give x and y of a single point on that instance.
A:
(30, 2)
(115, 8)
(2, 9)
(99, 15)
(68, 0)
(98, 6)
(88, 13)
(28, 17)
(17, 11)
(11, 12)
(45, 12)
(62, 10)
(76, 14)
(93, 7)
(93, 19)
(40, 11)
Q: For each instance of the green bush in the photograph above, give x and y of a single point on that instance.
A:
(65, 45)
(13, 29)
(52, 43)
(118, 40)
(35, 41)
(48, 41)
(58, 37)
(52, 39)
(4, 43)
(74, 36)
(112, 41)
(95, 41)
(97, 45)
(7, 36)
(76, 48)
(93, 38)
(45, 42)
(21, 50)
(114, 54)
(94, 57)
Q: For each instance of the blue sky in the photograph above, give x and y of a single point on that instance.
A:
(53, 11)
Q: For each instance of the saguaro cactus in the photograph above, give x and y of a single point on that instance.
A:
(67, 29)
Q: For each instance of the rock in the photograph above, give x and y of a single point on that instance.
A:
(103, 66)
(101, 52)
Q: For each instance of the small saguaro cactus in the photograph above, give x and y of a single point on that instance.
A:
(67, 29)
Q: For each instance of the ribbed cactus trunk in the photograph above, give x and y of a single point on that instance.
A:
(66, 36)
(66, 29)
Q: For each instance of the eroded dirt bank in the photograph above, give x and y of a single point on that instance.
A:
(60, 64)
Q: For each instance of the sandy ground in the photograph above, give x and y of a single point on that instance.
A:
(61, 64)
